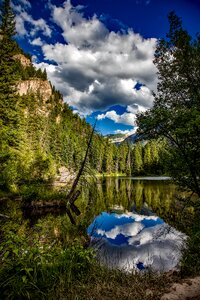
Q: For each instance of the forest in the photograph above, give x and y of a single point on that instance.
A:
(49, 255)
(39, 135)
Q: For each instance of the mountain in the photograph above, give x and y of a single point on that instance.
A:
(39, 133)
(123, 138)
(131, 139)
(117, 138)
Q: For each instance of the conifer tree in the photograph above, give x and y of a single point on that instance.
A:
(176, 111)
(137, 159)
(9, 104)
(7, 20)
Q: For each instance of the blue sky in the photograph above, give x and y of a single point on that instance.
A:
(99, 54)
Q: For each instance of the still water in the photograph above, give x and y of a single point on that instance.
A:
(131, 234)
(132, 222)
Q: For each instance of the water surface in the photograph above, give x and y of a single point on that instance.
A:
(129, 235)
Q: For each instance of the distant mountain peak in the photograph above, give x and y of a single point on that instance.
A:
(117, 138)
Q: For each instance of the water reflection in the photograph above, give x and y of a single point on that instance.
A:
(125, 235)
(128, 194)
(131, 241)
(127, 232)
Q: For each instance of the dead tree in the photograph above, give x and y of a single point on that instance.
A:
(74, 193)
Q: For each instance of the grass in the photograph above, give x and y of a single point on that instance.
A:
(112, 284)
(67, 277)
(50, 261)
(190, 260)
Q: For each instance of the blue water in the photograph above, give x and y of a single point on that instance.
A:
(108, 221)
(135, 241)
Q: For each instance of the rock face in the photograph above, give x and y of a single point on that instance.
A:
(65, 177)
(23, 59)
(43, 87)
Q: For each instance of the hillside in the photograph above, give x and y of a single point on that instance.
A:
(51, 137)
(41, 135)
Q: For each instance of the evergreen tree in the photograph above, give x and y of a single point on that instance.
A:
(10, 112)
(7, 20)
(137, 159)
(176, 111)
(128, 161)
(147, 158)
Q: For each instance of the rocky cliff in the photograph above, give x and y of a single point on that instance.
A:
(37, 85)
(34, 82)
(25, 62)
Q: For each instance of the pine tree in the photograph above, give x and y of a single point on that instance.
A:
(147, 158)
(176, 111)
(9, 101)
(137, 159)
(7, 20)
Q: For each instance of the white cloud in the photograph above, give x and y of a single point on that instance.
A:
(20, 28)
(23, 18)
(129, 229)
(136, 217)
(125, 118)
(49, 68)
(37, 42)
(97, 68)
(37, 25)
(76, 29)
(126, 132)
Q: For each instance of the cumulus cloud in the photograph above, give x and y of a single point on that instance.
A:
(125, 132)
(129, 229)
(97, 68)
(23, 18)
(76, 29)
(125, 118)
(37, 42)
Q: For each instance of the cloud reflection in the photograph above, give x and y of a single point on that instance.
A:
(132, 241)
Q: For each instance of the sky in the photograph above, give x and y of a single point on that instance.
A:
(99, 53)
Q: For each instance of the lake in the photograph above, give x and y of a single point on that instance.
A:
(132, 222)
(130, 232)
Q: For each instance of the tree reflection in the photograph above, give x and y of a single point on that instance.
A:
(132, 195)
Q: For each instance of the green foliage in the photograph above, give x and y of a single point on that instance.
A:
(190, 264)
(31, 270)
(176, 110)
(38, 136)
(31, 72)
(10, 110)
(137, 159)
(7, 20)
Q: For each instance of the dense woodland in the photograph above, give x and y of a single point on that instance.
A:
(38, 136)
(50, 258)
